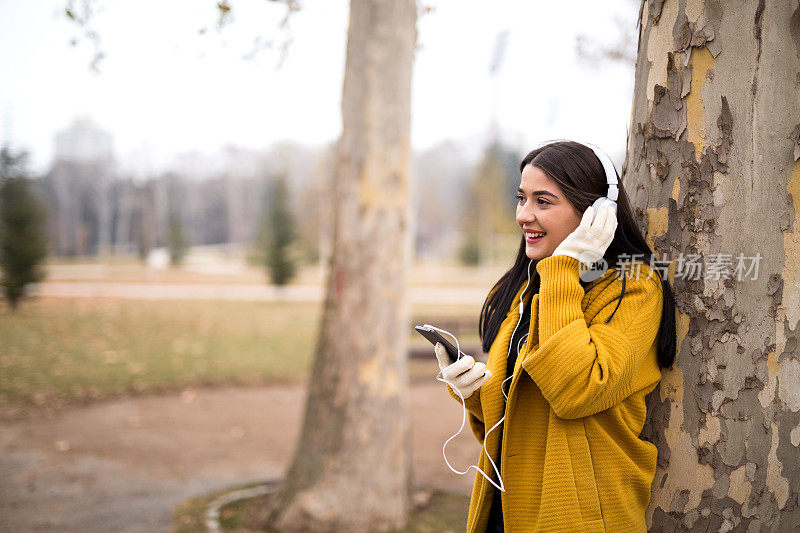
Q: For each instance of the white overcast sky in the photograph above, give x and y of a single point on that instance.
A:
(165, 88)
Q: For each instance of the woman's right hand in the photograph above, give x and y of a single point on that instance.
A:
(466, 375)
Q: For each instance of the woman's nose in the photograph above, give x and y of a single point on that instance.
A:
(526, 215)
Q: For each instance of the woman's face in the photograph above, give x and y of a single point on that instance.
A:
(543, 208)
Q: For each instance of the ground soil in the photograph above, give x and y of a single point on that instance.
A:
(123, 465)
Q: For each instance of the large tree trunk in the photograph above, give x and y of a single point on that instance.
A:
(352, 465)
(713, 168)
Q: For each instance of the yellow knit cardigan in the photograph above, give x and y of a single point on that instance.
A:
(571, 455)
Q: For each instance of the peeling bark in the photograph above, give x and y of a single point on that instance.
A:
(714, 160)
(351, 470)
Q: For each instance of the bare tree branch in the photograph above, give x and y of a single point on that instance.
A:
(282, 44)
(593, 53)
(81, 15)
(82, 12)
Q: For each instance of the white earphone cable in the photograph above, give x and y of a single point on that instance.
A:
(463, 424)
(501, 486)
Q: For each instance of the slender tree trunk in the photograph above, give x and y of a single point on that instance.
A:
(712, 167)
(235, 210)
(103, 208)
(67, 226)
(352, 465)
(161, 202)
(122, 228)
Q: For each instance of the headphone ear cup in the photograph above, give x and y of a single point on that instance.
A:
(596, 205)
(599, 202)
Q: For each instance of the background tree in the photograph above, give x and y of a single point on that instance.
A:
(712, 168)
(23, 245)
(351, 468)
(438, 180)
(176, 241)
(488, 230)
(278, 233)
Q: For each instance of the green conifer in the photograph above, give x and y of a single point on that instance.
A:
(23, 243)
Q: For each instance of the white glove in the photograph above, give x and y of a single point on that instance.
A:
(593, 236)
(466, 375)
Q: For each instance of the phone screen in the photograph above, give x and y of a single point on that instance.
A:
(434, 336)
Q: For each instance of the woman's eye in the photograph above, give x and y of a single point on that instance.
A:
(541, 201)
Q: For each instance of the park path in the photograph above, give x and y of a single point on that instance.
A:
(236, 291)
(122, 465)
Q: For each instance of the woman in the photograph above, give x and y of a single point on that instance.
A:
(569, 369)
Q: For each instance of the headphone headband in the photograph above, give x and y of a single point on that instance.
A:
(608, 168)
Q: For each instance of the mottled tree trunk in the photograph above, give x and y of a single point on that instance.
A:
(713, 168)
(352, 465)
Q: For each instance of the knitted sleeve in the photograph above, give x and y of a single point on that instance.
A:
(582, 368)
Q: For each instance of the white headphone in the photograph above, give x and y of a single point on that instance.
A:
(611, 175)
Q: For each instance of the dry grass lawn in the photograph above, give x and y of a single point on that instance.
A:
(64, 350)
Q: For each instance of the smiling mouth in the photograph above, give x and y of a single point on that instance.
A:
(534, 237)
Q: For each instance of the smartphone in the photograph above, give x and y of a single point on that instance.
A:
(434, 336)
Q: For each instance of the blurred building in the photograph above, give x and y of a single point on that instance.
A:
(78, 188)
(84, 141)
(220, 199)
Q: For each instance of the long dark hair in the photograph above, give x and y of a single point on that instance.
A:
(579, 173)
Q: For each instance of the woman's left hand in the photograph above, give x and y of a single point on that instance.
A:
(590, 240)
